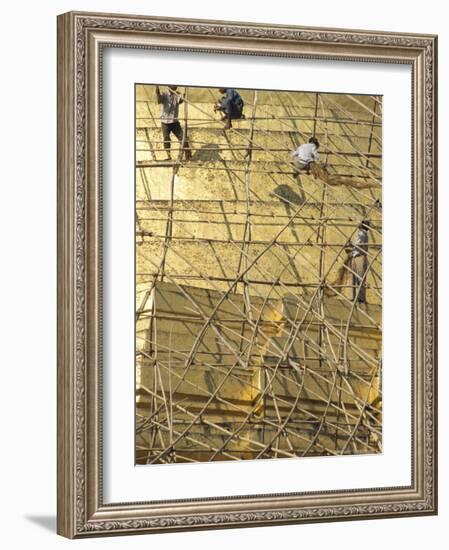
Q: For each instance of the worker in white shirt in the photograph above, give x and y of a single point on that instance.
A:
(170, 101)
(305, 155)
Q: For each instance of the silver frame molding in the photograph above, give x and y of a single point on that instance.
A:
(81, 39)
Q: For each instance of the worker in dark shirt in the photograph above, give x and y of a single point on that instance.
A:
(231, 105)
(355, 265)
(359, 263)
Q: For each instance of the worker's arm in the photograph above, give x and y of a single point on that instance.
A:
(226, 103)
(349, 246)
(361, 243)
(219, 106)
(182, 97)
(158, 95)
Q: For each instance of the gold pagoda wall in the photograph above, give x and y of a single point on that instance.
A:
(241, 353)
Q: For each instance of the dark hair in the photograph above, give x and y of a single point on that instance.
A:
(314, 141)
(366, 224)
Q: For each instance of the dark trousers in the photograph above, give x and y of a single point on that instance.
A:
(359, 267)
(355, 268)
(236, 110)
(232, 110)
(175, 128)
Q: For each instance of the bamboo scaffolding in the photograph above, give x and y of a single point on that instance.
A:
(351, 430)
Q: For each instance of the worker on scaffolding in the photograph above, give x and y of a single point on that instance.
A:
(170, 101)
(231, 105)
(356, 264)
(306, 159)
(305, 156)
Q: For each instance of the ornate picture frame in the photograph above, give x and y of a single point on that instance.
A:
(82, 38)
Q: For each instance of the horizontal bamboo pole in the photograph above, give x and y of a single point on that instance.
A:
(290, 117)
(252, 241)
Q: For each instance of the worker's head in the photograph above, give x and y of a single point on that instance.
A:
(222, 90)
(314, 141)
(172, 87)
(365, 224)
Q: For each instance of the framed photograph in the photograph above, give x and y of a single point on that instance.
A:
(246, 274)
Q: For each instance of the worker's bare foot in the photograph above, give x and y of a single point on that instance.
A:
(188, 155)
(228, 125)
